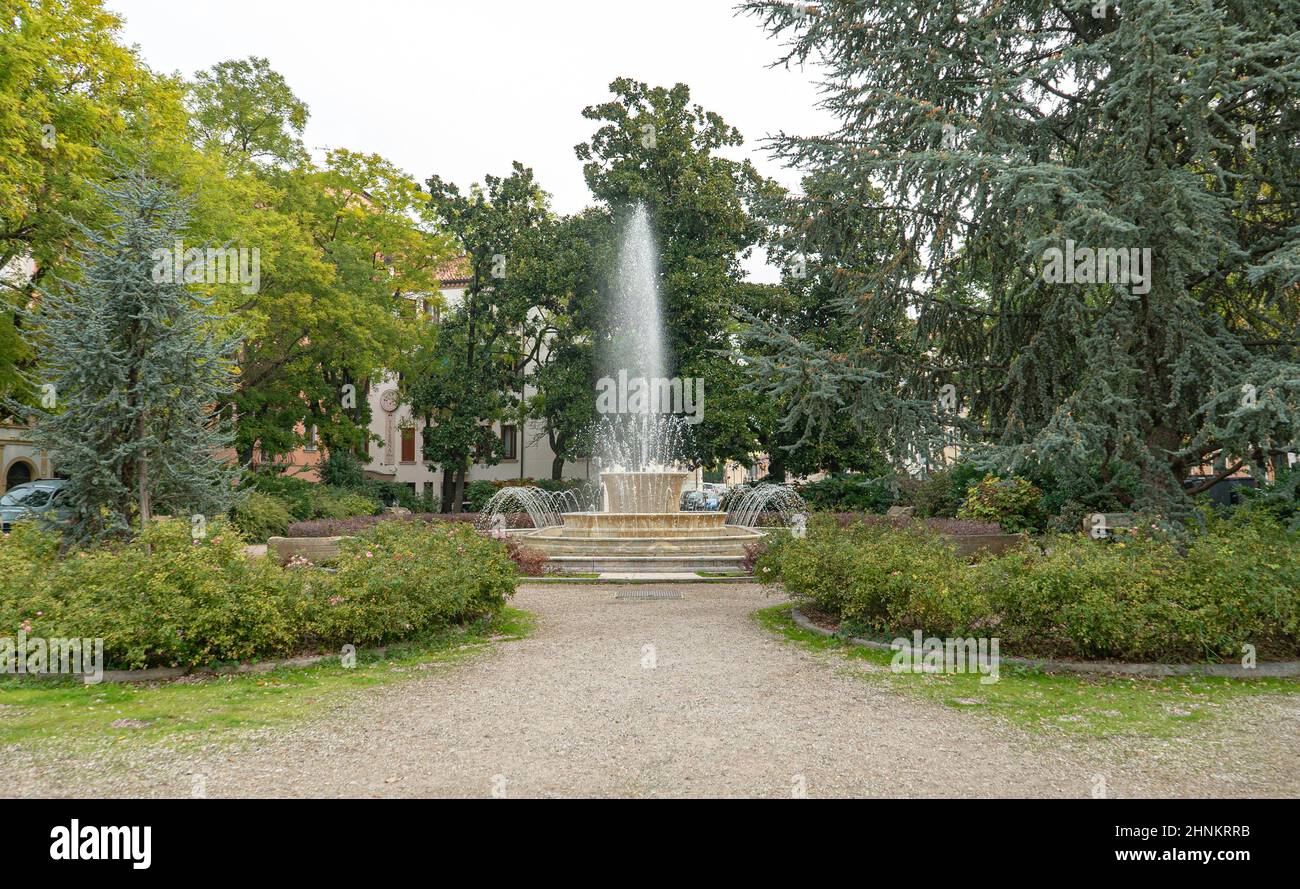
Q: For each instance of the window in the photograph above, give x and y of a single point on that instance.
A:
(408, 444)
(509, 436)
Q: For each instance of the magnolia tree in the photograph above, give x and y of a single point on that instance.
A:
(1087, 225)
(132, 374)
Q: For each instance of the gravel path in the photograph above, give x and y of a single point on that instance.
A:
(718, 706)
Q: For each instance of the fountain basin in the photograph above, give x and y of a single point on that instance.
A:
(643, 492)
(629, 541)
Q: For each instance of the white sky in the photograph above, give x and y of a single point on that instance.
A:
(463, 87)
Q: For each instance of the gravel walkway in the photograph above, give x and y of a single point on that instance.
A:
(718, 707)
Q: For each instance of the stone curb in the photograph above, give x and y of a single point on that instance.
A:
(1105, 668)
(164, 674)
(154, 674)
(556, 579)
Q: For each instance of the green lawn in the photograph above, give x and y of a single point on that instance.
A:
(42, 710)
(1085, 705)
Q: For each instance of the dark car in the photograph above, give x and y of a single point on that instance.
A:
(33, 500)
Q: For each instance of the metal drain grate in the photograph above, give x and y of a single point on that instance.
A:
(648, 594)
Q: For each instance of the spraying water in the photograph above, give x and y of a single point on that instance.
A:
(638, 335)
(638, 442)
(766, 504)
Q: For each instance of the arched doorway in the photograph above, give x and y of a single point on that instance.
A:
(20, 473)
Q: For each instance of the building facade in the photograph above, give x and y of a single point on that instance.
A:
(20, 460)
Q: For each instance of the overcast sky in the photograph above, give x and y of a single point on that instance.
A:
(463, 88)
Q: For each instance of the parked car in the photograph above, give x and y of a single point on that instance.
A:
(43, 499)
(700, 501)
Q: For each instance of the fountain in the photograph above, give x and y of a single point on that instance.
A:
(641, 452)
(755, 507)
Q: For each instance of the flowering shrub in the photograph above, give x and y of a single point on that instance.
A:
(356, 524)
(1237, 582)
(397, 579)
(166, 599)
(163, 599)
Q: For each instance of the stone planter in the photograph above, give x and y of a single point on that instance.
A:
(968, 545)
(314, 549)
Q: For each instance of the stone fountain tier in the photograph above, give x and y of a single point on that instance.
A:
(643, 530)
(643, 541)
(643, 492)
(647, 524)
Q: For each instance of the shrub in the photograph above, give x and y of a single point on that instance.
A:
(395, 494)
(906, 581)
(530, 561)
(332, 503)
(1279, 499)
(1011, 502)
(754, 553)
(356, 524)
(1143, 598)
(850, 493)
(943, 493)
(341, 469)
(298, 495)
(949, 527)
(478, 493)
(260, 516)
(164, 599)
(402, 578)
(934, 497)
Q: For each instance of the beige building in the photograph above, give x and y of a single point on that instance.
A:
(20, 460)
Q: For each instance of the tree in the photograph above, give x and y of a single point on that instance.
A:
(134, 374)
(562, 359)
(342, 246)
(813, 310)
(72, 99)
(358, 241)
(654, 146)
(995, 134)
(246, 111)
(467, 375)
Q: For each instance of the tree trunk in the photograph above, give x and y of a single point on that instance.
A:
(142, 477)
(448, 490)
(557, 468)
(458, 502)
(776, 471)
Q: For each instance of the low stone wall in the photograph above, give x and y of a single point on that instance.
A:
(314, 549)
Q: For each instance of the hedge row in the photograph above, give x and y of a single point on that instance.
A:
(1147, 599)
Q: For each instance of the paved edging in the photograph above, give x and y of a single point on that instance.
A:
(1107, 668)
(560, 579)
